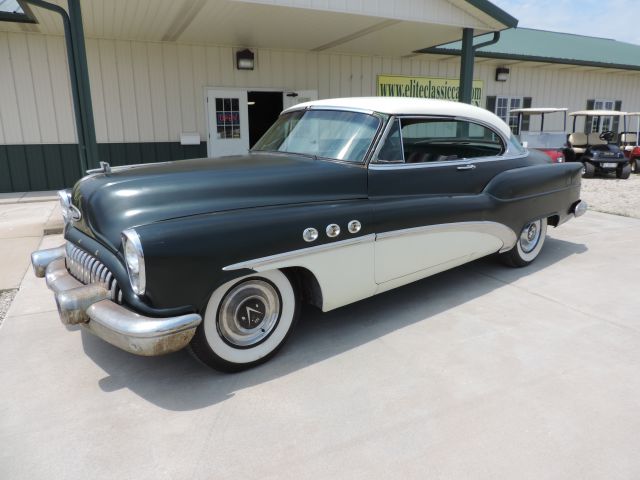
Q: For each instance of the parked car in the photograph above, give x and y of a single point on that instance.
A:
(629, 142)
(597, 151)
(550, 142)
(340, 200)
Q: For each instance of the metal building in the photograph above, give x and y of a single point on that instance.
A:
(173, 79)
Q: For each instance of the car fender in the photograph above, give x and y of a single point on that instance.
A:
(524, 194)
(186, 259)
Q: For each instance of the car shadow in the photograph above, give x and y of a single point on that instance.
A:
(178, 382)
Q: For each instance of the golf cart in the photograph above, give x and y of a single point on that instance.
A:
(597, 150)
(629, 143)
(551, 142)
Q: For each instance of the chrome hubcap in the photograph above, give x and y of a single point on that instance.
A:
(249, 313)
(530, 236)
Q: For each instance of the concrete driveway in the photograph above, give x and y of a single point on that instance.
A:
(482, 372)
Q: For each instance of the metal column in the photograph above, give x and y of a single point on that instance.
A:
(467, 58)
(79, 77)
(84, 89)
(467, 55)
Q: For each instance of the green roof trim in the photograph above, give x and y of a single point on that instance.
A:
(494, 11)
(530, 45)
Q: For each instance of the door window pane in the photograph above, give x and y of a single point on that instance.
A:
(391, 150)
(228, 118)
(438, 140)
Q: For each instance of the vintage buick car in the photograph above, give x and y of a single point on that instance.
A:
(340, 200)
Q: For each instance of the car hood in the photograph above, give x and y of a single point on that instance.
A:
(143, 194)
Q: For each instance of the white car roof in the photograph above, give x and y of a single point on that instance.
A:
(535, 110)
(409, 106)
(599, 113)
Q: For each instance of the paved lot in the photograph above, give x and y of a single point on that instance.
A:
(480, 372)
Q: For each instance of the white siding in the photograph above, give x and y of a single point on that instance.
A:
(149, 91)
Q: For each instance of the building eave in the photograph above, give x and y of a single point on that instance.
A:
(494, 12)
(532, 58)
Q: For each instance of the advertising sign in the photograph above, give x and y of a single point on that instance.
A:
(425, 87)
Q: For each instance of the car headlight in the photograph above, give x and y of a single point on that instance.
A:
(65, 202)
(134, 260)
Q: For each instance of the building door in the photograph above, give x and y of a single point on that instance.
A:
(264, 109)
(228, 122)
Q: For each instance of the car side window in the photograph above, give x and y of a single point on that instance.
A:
(391, 150)
(421, 140)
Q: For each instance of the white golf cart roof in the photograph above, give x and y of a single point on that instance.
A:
(633, 114)
(599, 113)
(538, 110)
(408, 106)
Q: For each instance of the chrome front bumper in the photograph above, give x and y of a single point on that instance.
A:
(90, 306)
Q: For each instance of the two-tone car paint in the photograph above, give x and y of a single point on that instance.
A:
(203, 223)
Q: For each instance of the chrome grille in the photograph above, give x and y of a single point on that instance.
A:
(87, 269)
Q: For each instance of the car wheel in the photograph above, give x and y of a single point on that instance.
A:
(246, 321)
(635, 167)
(528, 245)
(624, 172)
(588, 170)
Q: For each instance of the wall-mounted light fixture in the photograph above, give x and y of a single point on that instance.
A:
(502, 74)
(245, 59)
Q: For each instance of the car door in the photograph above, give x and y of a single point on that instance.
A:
(425, 185)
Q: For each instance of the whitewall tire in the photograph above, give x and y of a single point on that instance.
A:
(528, 245)
(246, 321)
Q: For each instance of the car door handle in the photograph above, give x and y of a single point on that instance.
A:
(466, 167)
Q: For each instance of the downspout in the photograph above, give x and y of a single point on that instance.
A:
(467, 58)
(78, 73)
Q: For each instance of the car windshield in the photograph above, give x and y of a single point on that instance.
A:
(329, 134)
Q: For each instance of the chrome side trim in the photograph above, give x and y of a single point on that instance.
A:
(498, 230)
(445, 163)
(263, 261)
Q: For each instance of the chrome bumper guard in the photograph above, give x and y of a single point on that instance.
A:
(90, 306)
